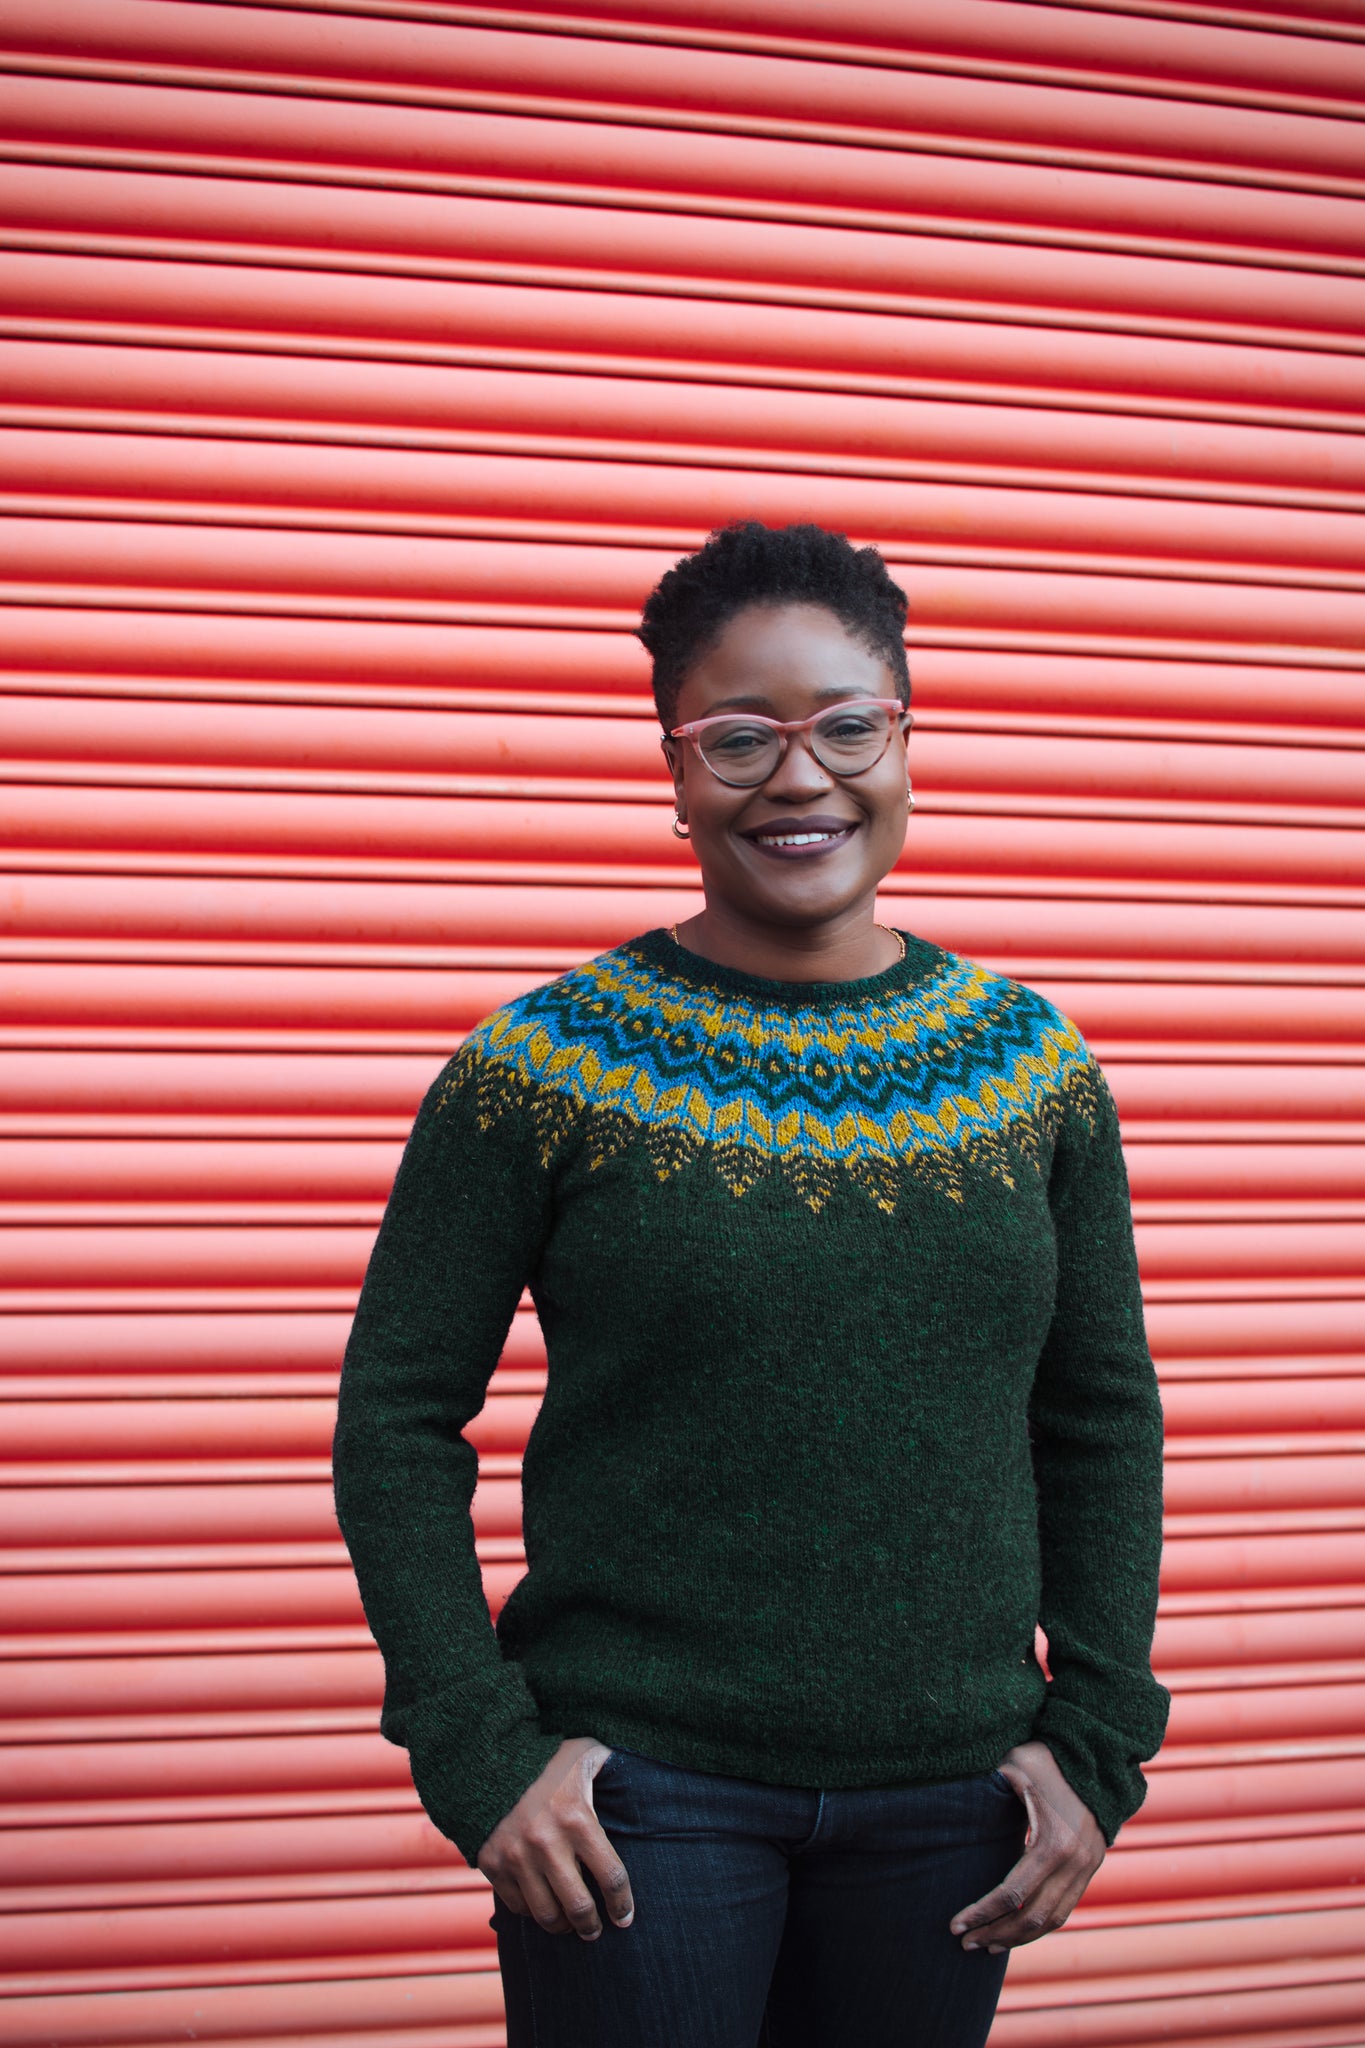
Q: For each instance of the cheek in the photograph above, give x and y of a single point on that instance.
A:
(889, 805)
(711, 807)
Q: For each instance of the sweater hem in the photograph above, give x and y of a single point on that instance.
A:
(811, 1770)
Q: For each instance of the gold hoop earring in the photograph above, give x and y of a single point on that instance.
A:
(680, 830)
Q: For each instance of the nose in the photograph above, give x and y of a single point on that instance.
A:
(798, 775)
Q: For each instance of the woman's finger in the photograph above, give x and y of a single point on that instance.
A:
(576, 1902)
(1071, 1899)
(613, 1881)
(510, 1892)
(1040, 1914)
(1015, 1889)
(543, 1902)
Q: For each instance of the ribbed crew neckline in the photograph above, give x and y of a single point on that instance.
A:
(662, 950)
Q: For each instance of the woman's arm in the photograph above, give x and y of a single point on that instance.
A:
(1096, 1416)
(460, 1236)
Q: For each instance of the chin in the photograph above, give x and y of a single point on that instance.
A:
(802, 907)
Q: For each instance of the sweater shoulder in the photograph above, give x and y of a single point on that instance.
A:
(579, 1004)
(1031, 1050)
(522, 1067)
(1017, 1013)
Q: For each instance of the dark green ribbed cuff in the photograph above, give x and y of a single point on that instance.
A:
(1099, 1763)
(466, 1798)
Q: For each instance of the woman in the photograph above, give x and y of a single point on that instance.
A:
(829, 1236)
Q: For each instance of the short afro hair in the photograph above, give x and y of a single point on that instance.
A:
(750, 564)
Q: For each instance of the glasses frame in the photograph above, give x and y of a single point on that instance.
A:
(787, 728)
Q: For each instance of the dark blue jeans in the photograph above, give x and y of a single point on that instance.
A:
(767, 1917)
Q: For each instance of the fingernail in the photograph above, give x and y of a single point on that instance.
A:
(995, 1950)
(969, 1946)
(626, 1918)
(596, 1935)
(959, 1927)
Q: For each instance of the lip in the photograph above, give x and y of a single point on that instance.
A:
(833, 833)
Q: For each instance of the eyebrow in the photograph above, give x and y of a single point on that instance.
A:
(836, 693)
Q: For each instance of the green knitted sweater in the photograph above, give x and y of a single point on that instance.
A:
(848, 1389)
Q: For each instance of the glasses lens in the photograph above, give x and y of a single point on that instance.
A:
(740, 751)
(852, 737)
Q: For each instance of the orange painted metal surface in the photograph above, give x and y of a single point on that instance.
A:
(360, 374)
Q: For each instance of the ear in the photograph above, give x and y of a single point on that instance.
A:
(673, 754)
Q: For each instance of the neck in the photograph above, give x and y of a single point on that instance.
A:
(846, 948)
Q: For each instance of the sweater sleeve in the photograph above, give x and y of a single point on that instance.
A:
(460, 1237)
(1096, 1418)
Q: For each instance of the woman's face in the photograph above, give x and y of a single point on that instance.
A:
(788, 662)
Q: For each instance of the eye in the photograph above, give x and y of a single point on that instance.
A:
(849, 725)
(735, 741)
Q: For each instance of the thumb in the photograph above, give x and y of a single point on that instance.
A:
(1028, 1793)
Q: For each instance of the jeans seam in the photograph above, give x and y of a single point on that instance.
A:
(815, 1826)
(530, 1978)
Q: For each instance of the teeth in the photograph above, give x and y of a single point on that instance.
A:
(795, 838)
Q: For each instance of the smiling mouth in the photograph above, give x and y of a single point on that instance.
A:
(789, 840)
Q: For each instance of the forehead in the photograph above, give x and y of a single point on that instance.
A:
(782, 659)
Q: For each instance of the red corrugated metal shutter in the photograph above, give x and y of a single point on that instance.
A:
(362, 371)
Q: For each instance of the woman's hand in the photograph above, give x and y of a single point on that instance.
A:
(1063, 1848)
(531, 1858)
